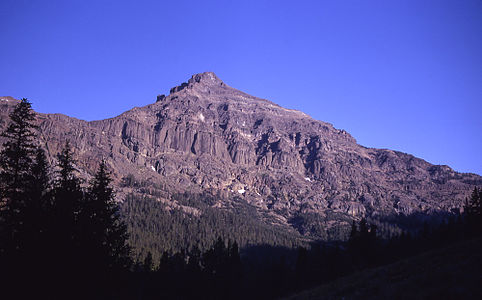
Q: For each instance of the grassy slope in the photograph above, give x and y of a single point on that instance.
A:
(453, 272)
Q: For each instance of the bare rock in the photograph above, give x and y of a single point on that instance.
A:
(207, 136)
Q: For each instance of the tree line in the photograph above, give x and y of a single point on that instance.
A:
(154, 228)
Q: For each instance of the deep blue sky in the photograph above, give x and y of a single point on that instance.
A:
(404, 75)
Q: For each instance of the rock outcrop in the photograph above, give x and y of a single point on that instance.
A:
(207, 136)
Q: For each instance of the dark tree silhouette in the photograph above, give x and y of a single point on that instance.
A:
(38, 207)
(40, 180)
(235, 264)
(68, 199)
(301, 267)
(148, 264)
(473, 211)
(103, 230)
(24, 184)
(16, 159)
(354, 235)
(363, 228)
(68, 265)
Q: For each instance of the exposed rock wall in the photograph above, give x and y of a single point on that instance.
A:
(206, 135)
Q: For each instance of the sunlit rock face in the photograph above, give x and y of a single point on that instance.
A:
(207, 136)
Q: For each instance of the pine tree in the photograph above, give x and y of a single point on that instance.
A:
(212, 257)
(235, 266)
(38, 207)
(354, 231)
(24, 182)
(194, 263)
(148, 264)
(473, 211)
(40, 178)
(106, 231)
(354, 239)
(234, 254)
(363, 228)
(16, 160)
(19, 149)
(164, 264)
(373, 232)
(68, 198)
(301, 267)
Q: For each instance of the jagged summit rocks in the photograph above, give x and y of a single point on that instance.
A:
(202, 81)
(207, 136)
(206, 78)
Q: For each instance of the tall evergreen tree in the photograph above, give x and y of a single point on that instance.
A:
(68, 198)
(301, 267)
(148, 264)
(24, 182)
(235, 266)
(363, 228)
(40, 179)
(107, 233)
(473, 211)
(19, 149)
(38, 210)
(353, 232)
(16, 159)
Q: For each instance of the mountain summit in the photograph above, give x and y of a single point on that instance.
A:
(201, 81)
(207, 137)
(206, 78)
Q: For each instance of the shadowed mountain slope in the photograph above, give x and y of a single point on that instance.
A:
(452, 272)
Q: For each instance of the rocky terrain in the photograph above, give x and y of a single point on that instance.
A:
(206, 136)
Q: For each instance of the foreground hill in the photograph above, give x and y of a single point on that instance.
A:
(287, 169)
(453, 272)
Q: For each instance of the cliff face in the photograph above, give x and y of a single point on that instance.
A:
(207, 136)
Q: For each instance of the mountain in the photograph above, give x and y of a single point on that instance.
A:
(295, 172)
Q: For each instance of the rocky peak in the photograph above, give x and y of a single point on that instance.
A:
(201, 81)
(206, 78)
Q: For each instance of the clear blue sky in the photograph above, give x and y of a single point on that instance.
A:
(403, 75)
